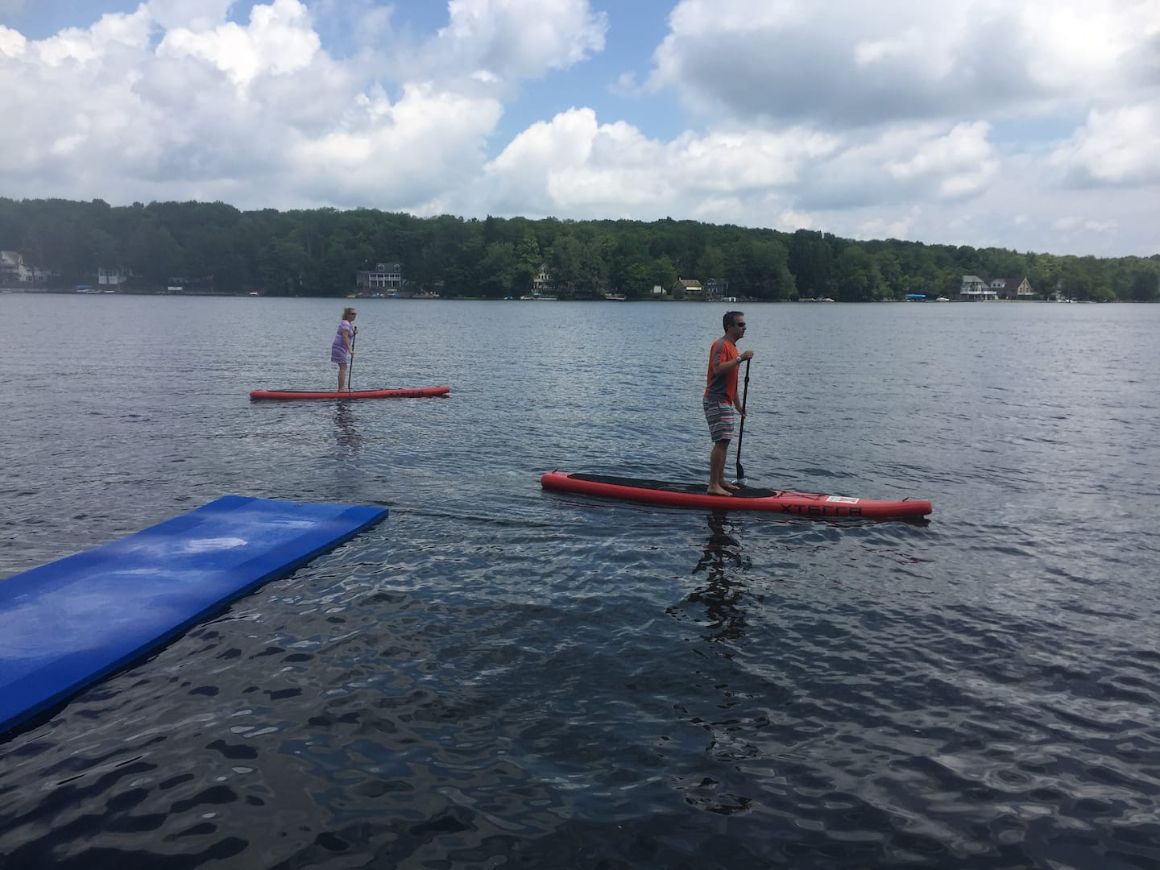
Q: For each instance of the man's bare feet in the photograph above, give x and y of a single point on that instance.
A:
(716, 490)
(729, 486)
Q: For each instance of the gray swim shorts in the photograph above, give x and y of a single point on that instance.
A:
(720, 417)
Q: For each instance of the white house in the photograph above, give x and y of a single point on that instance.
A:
(113, 277)
(542, 280)
(13, 269)
(384, 276)
(975, 289)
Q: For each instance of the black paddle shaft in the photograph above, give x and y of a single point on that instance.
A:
(350, 370)
(741, 431)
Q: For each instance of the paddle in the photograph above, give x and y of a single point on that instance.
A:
(741, 431)
(350, 369)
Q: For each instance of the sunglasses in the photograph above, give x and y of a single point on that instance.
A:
(739, 325)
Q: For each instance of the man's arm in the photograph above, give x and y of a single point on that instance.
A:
(720, 368)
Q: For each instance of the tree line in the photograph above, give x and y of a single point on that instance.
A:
(317, 252)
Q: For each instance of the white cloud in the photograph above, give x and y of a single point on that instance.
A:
(1098, 226)
(879, 228)
(1089, 47)
(1073, 222)
(1115, 147)
(915, 162)
(797, 178)
(254, 113)
(897, 121)
(110, 38)
(568, 163)
(962, 161)
(797, 220)
(575, 165)
(935, 182)
(496, 44)
(176, 101)
(414, 150)
(843, 64)
(279, 39)
(12, 42)
(1021, 208)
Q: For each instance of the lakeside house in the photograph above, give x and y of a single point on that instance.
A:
(975, 289)
(1012, 288)
(715, 288)
(113, 277)
(542, 280)
(688, 288)
(13, 270)
(383, 277)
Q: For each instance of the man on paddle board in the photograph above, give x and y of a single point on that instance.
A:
(342, 348)
(720, 398)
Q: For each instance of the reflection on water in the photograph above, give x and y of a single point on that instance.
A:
(347, 433)
(722, 594)
(713, 783)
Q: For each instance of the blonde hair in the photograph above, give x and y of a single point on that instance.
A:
(347, 312)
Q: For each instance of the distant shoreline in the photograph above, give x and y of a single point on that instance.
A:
(740, 300)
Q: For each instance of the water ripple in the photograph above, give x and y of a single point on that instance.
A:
(498, 676)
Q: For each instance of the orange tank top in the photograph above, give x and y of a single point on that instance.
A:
(723, 388)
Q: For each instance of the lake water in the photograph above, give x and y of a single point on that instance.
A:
(497, 676)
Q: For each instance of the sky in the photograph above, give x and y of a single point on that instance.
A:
(1025, 124)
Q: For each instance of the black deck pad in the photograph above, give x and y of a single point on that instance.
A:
(691, 488)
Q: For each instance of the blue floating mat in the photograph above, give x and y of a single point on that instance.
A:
(65, 625)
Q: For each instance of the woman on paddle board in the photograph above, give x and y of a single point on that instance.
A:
(720, 397)
(342, 349)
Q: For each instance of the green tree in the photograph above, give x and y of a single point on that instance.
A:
(566, 263)
(498, 270)
(810, 261)
(857, 276)
(154, 255)
(528, 253)
(1145, 286)
(711, 264)
(318, 251)
(282, 267)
